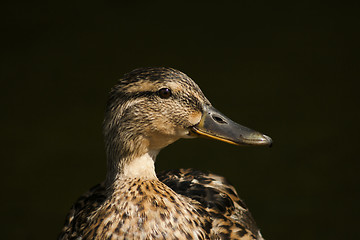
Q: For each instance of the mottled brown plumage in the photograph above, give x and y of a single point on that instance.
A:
(147, 110)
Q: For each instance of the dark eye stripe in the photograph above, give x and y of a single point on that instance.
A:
(135, 95)
(141, 94)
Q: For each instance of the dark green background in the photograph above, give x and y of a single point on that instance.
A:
(289, 70)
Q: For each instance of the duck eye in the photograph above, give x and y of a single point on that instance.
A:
(165, 93)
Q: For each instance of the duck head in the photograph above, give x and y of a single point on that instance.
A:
(151, 108)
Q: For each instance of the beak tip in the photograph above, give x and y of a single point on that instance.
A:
(257, 138)
(268, 140)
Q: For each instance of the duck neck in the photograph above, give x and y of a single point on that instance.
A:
(140, 167)
(128, 150)
(129, 165)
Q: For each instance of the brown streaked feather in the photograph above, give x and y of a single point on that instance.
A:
(148, 205)
(135, 203)
(231, 219)
(223, 214)
(83, 207)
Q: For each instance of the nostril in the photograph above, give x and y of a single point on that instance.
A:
(218, 119)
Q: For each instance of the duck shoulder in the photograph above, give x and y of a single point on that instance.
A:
(229, 216)
(137, 210)
(77, 217)
(231, 219)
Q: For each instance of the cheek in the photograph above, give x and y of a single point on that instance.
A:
(162, 126)
(194, 118)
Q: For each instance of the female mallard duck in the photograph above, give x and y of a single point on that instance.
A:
(147, 110)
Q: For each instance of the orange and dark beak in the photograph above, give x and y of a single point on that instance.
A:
(216, 125)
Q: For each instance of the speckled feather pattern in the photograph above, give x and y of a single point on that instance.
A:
(130, 117)
(184, 204)
(134, 213)
(230, 218)
(135, 203)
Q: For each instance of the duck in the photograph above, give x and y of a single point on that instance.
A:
(148, 109)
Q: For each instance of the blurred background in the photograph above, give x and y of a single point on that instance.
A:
(287, 69)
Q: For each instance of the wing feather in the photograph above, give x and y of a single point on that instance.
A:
(231, 218)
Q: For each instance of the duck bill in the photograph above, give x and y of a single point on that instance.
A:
(216, 125)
